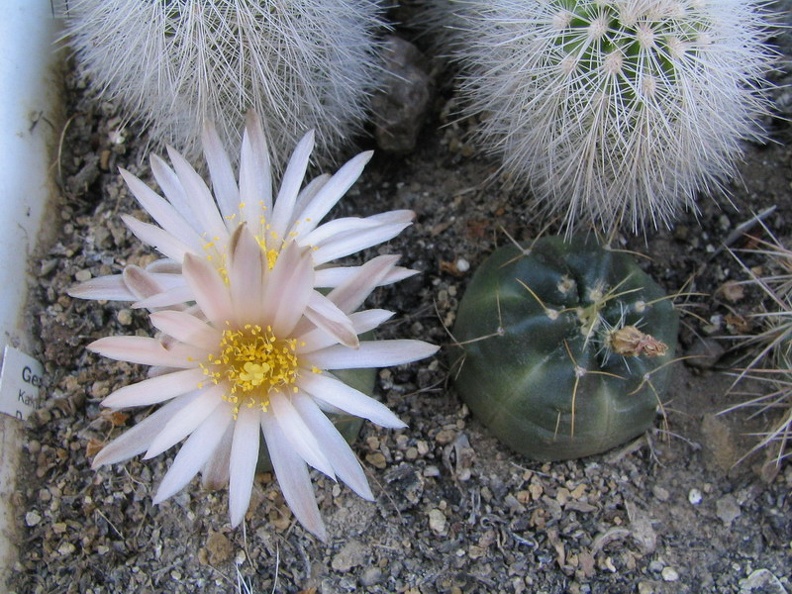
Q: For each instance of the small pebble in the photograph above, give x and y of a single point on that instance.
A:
(656, 566)
(377, 460)
(82, 275)
(445, 436)
(437, 521)
(762, 581)
(431, 470)
(352, 554)
(727, 509)
(669, 574)
(32, 518)
(124, 317)
(660, 493)
(695, 496)
(371, 576)
(66, 548)
(645, 588)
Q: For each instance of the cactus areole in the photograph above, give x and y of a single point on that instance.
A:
(566, 347)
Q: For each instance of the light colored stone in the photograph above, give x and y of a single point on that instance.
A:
(727, 509)
(694, 496)
(437, 521)
(32, 518)
(351, 555)
(669, 574)
(762, 581)
(370, 576)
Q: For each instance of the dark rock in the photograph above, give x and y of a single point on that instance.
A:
(401, 106)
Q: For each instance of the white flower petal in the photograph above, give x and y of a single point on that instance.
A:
(223, 182)
(373, 353)
(306, 195)
(242, 466)
(255, 181)
(178, 295)
(350, 243)
(187, 421)
(166, 266)
(215, 473)
(186, 328)
(344, 397)
(245, 275)
(352, 293)
(156, 237)
(298, 434)
(203, 205)
(293, 477)
(334, 190)
(163, 212)
(193, 455)
(283, 209)
(344, 461)
(362, 321)
(325, 314)
(337, 227)
(139, 349)
(111, 288)
(287, 289)
(136, 440)
(145, 283)
(211, 293)
(336, 275)
(174, 191)
(155, 389)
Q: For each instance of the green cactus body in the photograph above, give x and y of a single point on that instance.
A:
(565, 347)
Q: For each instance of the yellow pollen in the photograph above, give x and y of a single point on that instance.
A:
(251, 364)
(271, 254)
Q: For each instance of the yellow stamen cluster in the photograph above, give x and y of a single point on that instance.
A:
(216, 257)
(270, 253)
(252, 363)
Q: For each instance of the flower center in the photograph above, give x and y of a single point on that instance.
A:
(252, 362)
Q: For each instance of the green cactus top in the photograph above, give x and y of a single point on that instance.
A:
(565, 347)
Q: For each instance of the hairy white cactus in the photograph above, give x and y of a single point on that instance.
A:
(175, 64)
(615, 112)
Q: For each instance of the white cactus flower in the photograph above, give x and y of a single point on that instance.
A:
(247, 343)
(176, 63)
(248, 362)
(615, 112)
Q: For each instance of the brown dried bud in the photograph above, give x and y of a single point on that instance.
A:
(631, 342)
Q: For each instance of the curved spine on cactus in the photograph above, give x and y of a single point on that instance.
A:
(175, 64)
(615, 112)
(566, 347)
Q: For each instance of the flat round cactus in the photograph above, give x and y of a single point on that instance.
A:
(566, 346)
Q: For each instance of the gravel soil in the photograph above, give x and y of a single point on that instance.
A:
(455, 510)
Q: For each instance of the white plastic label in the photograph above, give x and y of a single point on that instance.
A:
(20, 383)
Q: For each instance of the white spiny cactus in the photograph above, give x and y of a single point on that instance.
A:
(615, 112)
(307, 64)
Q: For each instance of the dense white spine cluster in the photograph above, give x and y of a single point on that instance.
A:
(615, 112)
(175, 64)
